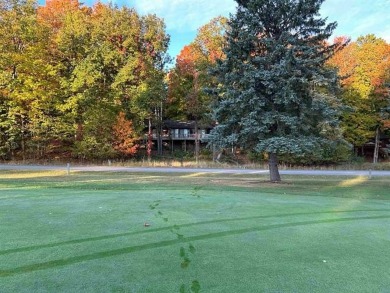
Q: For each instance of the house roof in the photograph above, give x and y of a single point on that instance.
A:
(173, 124)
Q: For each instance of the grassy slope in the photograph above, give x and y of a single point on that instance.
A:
(85, 232)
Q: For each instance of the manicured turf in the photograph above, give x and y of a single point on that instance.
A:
(221, 233)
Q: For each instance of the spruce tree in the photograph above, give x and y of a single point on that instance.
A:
(275, 95)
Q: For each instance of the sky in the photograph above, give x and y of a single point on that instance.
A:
(183, 17)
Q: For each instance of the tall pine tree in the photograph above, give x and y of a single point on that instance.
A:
(275, 95)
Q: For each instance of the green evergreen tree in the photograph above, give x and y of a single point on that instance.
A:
(275, 95)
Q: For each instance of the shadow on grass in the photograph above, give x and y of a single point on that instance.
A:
(132, 249)
(104, 237)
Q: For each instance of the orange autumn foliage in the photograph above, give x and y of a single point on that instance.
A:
(344, 60)
(53, 12)
(210, 40)
(364, 65)
(124, 134)
(206, 49)
(186, 60)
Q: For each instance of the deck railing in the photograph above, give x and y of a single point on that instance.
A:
(180, 136)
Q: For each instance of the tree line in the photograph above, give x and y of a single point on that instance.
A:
(85, 81)
(77, 80)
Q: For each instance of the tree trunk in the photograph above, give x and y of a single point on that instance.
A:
(376, 150)
(273, 168)
(149, 144)
(160, 144)
(79, 132)
(196, 141)
(159, 139)
(23, 140)
(159, 130)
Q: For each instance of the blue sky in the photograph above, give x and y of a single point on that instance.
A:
(184, 17)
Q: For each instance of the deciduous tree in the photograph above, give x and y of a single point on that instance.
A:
(125, 139)
(189, 79)
(364, 66)
(26, 79)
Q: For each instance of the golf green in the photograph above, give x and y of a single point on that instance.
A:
(137, 232)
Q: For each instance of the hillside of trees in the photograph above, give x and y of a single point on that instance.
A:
(80, 82)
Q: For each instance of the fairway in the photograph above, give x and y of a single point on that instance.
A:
(192, 232)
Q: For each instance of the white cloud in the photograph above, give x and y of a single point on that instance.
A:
(354, 17)
(384, 33)
(367, 23)
(359, 17)
(185, 15)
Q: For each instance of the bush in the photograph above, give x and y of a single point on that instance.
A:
(331, 153)
(205, 154)
(91, 149)
(256, 156)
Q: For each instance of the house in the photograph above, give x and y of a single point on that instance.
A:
(178, 135)
(367, 150)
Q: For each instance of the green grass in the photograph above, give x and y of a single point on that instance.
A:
(229, 233)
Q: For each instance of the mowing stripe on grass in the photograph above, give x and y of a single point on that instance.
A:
(104, 237)
(131, 249)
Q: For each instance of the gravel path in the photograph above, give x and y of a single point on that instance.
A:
(193, 170)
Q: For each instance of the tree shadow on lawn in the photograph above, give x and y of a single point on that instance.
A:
(131, 249)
